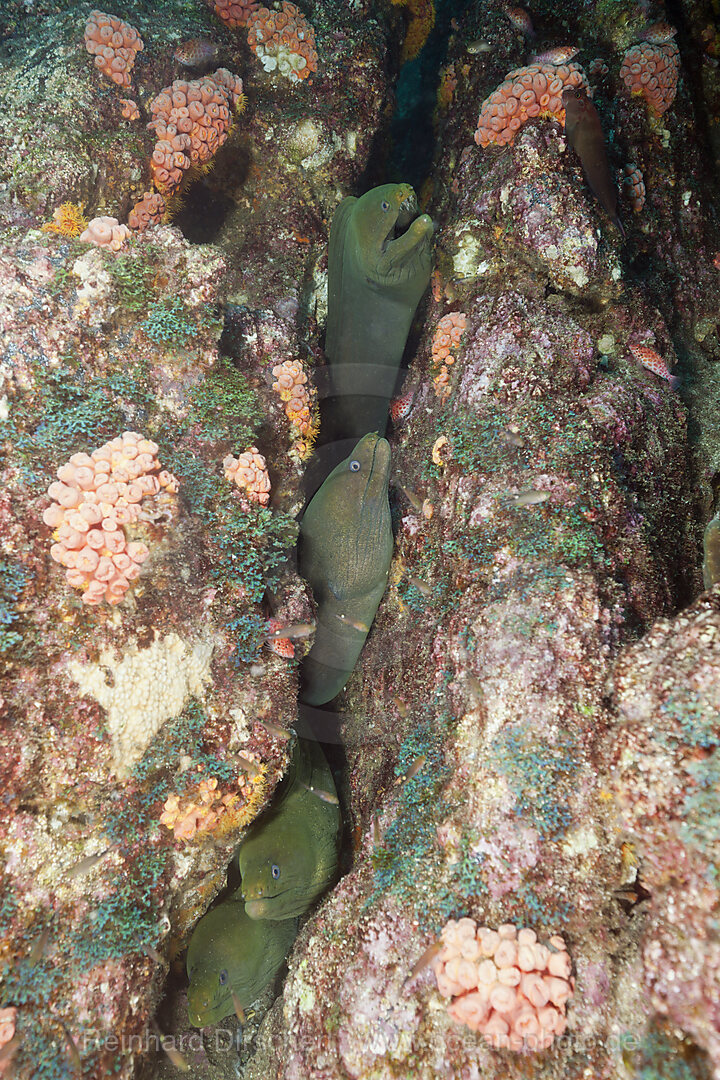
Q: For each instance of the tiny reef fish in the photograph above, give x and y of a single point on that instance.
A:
(424, 962)
(357, 624)
(293, 631)
(326, 796)
(72, 1047)
(420, 585)
(654, 362)
(658, 33)
(275, 729)
(248, 766)
(513, 438)
(521, 20)
(166, 1042)
(197, 52)
(561, 54)
(400, 706)
(237, 1006)
(40, 945)
(530, 497)
(412, 498)
(86, 865)
(478, 46)
(414, 769)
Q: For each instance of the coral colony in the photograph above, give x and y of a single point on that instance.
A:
(528, 773)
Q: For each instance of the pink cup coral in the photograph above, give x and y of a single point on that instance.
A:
(530, 91)
(504, 984)
(149, 211)
(634, 186)
(192, 120)
(233, 12)
(283, 41)
(291, 383)
(114, 44)
(106, 232)
(249, 472)
(94, 497)
(445, 345)
(652, 70)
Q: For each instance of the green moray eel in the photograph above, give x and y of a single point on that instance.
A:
(711, 553)
(346, 547)
(290, 854)
(585, 135)
(232, 953)
(378, 268)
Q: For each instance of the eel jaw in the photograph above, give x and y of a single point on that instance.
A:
(406, 213)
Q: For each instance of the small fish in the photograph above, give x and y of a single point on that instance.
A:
(85, 865)
(422, 587)
(248, 766)
(400, 407)
(478, 46)
(356, 624)
(41, 942)
(152, 952)
(561, 54)
(326, 796)
(513, 438)
(413, 770)
(654, 362)
(474, 685)
(401, 707)
(530, 497)
(72, 1047)
(424, 962)
(292, 631)
(275, 729)
(412, 498)
(585, 134)
(197, 52)
(521, 21)
(239, 1011)
(377, 831)
(658, 33)
(166, 1042)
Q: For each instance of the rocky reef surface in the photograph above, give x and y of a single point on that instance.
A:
(526, 744)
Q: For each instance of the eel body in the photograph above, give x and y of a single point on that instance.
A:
(711, 553)
(585, 135)
(346, 548)
(378, 269)
(290, 854)
(231, 953)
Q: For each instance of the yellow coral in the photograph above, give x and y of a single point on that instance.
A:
(208, 808)
(67, 220)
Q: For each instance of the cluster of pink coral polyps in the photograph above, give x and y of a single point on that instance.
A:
(445, 345)
(8, 1017)
(192, 121)
(634, 186)
(149, 211)
(504, 984)
(652, 70)
(106, 232)
(283, 41)
(197, 814)
(129, 109)
(249, 472)
(114, 44)
(94, 497)
(291, 384)
(233, 12)
(530, 91)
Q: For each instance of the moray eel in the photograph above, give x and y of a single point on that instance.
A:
(378, 268)
(346, 548)
(230, 952)
(585, 135)
(711, 553)
(290, 854)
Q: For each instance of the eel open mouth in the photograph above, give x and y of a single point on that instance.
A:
(407, 212)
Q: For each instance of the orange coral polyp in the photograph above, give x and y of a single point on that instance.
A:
(652, 70)
(283, 41)
(525, 93)
(113, 44)
(191, 120)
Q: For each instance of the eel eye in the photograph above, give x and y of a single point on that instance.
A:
(354, 466)
(223, 976)
(275, 871)
(384, 205)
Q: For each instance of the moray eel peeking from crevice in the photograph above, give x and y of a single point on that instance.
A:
(290, 854)
(346, 547)
(585, 135)
(230, 953)
(378, 269)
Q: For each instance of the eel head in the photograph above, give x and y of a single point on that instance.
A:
(393, 243)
